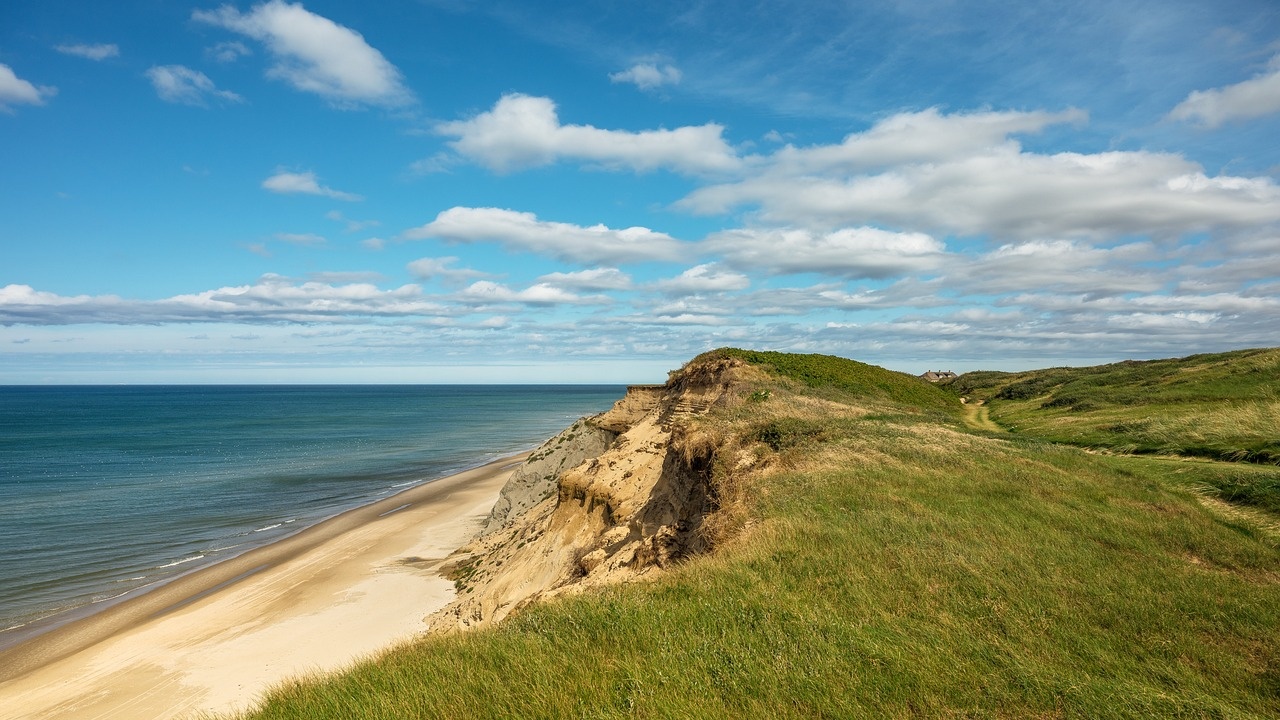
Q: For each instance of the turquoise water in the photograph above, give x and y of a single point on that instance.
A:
(105, 491)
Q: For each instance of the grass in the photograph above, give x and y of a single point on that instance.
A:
(1221, 406)
(894, 566)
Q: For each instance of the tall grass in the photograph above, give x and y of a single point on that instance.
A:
(1219, 406)
(893, 567)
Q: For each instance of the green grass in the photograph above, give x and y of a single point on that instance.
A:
(894, 567)
(1224, 406)
(850, 377)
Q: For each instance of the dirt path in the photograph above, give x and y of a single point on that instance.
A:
(978, 417)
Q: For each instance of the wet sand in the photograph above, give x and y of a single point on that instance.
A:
(215, 639)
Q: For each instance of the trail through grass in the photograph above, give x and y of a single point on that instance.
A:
(978, 416)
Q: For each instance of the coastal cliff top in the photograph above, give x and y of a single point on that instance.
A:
(793, 536)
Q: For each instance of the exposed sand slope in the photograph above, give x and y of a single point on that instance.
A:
(215, 639)
(635, 507)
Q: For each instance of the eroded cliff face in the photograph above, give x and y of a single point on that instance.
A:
(635, 506)
(537, 479)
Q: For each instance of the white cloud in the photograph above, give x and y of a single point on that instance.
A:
(861, 252)
(897, 177)
(706, 278)
(310, 239)
(1255, 97)
(92, 52)
(1059, 265)
(227, 52)
(291, 183)
(485, 292)
(182, 85)
(524, 131)
(597, 244)
(927, 136)
(430, 268)
(16, 91)
(315, 54)
(272, 299)
(593, 279)
(374, 243)
(648, 75)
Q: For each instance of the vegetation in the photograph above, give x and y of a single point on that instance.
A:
(1223, 406)
(898, 565)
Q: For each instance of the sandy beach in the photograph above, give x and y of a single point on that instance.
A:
(215, 639)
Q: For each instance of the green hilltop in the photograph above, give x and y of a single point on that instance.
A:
(898, 554)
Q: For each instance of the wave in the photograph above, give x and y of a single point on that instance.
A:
(193, 558)
(269, 527)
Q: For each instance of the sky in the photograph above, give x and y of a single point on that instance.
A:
(420, 191)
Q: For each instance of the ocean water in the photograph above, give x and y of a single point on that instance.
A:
(105, 491)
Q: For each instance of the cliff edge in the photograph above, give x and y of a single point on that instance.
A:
(613, 497)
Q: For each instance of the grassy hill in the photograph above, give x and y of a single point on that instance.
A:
(1222, 406)
(894, 563)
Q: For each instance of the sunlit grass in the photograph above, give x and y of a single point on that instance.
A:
(893, 566)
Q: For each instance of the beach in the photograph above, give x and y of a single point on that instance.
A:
(215, 639)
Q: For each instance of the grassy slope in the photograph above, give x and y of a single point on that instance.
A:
(1222, 406)
(896, 566)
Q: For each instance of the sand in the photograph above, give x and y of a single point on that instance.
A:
(214, 640)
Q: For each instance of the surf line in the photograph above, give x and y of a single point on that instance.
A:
(395, 510)
(205, 593)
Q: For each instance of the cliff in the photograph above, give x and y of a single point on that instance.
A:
(614, 497)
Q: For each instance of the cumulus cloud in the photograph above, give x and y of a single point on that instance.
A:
(182, 85)
(989, 187)
(272, 299)
(291, 183)
(522, 131)
(441, 267)
(314, 54)
(92, 52)
(927, 136)
(1255, 97)
(861, 252)
(485, 292)
(648, 75)
(593, 279)
(706, 278)
(16, 91)
(596, 244)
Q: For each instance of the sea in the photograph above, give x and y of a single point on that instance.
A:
(108, 491)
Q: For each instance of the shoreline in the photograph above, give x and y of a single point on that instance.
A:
(315, 576)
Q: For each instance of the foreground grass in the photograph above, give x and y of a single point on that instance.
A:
(895, 567)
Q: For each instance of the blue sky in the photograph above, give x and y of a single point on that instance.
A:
(455, 191)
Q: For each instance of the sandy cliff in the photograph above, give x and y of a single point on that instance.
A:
(611, 498)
